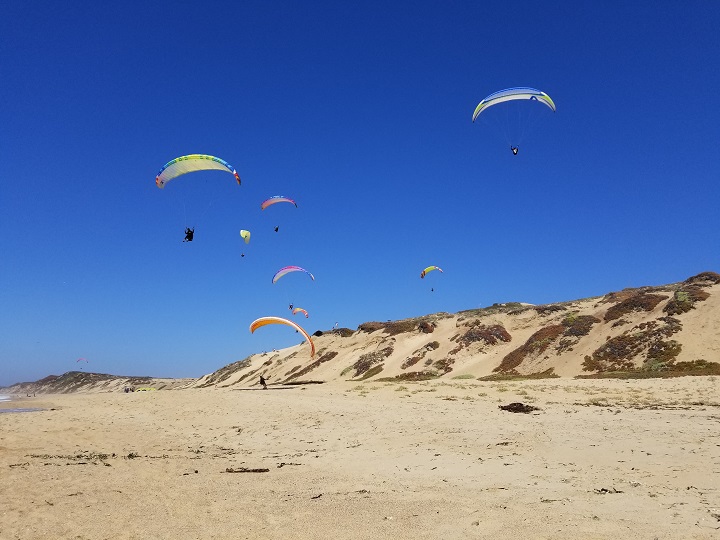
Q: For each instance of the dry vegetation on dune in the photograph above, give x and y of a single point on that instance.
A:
(644, 350)
(637, 302)
(619, 353)
(536, 345)
(425, 324)
(513, 375)
(225, 373)
(685, 298)
(420, 354)
(307, 369)
(371, 360)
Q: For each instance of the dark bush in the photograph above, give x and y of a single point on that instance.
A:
(638, 302)
(410, 362)
(370, 327)
(344, 332)
(704, 278)
(579, 325)
(535, 345)
(412, 376)
(371, 372)
(426, 327)
(444, 365)
(490, 335)
(515, 376)
(684, 299)
(401, 327)
(368, 360)
(307, 369)
(548, 309)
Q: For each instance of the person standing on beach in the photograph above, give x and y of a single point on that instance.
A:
(262, 382)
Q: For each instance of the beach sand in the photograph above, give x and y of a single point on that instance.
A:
(437, 459)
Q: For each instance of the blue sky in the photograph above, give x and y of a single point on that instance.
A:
(362, 113)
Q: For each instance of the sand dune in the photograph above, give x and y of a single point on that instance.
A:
(647, 330)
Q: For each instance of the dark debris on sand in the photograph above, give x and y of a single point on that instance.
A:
(518, 408)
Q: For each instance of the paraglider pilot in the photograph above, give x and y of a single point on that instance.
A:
(262, 382)
(189, 234)
(514, 150)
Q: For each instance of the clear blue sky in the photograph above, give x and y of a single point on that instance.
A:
(362, 113)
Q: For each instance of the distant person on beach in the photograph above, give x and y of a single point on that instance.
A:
(262, 382)
(514, 150)
(189, 234)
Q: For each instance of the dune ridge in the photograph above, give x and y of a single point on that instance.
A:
(652, 331)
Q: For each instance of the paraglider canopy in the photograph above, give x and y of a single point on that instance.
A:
(191, 163)
(276, 199)
(429, 269)
(245, 235)
(287, 269)
(512, 94)
(300, 310)
(263, 321)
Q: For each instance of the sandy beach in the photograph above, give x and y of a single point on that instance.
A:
(435, 459)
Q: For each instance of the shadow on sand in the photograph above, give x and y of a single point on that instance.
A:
(268, 388)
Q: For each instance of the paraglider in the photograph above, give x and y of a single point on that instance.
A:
(513, 123)
(245, 235)
(429, 269)
(263, 321)
(300, 310)
(191, 163)
(287, 269)
(188, 164)
(276, 199)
